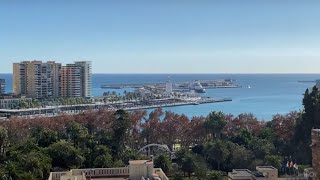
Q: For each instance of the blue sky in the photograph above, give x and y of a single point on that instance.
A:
(166, 36)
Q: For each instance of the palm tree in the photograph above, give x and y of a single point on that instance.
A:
(217, 151)
(215, 123)
(3, 140)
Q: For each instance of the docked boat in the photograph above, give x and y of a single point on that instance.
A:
(197, 87)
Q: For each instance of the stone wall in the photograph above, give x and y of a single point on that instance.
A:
(315, 146)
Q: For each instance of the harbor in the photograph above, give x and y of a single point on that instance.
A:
(51, 111)
(199, 86)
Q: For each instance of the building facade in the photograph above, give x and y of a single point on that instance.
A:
(37, 79)
(86, 77)
(2, 86)
(71, 81)
(13, 103)
(137, 170)
(77, 80)
(262, 173)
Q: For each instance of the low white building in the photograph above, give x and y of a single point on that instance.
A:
(137, 170)
(12, 103)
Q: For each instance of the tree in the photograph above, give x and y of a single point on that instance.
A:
(121, 125)
(244, 137)
(64, 155)
(310, 119)
(239, 156)
(200, 167)
(76, 132)
(44, 137)
(103, 161)
(215, 175)
(172, 128)
(188, 165)
(217, 152)
(26, 161)
(38, 164)
(215, 123)
(3, 140)
(273, 160)
(163, 162)
(261, 147)
(150, 133)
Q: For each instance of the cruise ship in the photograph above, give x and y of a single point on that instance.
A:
(197, 87)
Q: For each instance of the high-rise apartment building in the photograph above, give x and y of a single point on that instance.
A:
(2, 86)
(76, 79)
(37, 79)
(86, 77)
(71, 81)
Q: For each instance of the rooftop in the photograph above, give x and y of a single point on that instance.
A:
(241, 172)
(138, 162)
(265, 168)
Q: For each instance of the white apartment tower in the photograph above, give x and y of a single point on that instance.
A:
(86, 77)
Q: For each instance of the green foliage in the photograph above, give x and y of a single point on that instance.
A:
(118, 163)
(200, 167)
(310, 119)
(163, 162)
(103, 161)
(65, 155)
(177, 176)
(217, 152)
(44, 137)
(76, 132)
(273, 160)
(261, 147)
(3, 140)
(26, 161)
(215, 175)
(128, 155)
(188, 164)
(215, 123)
(121, 124)
(244, 137)
(239, 156)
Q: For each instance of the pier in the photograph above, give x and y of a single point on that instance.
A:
(51, 111)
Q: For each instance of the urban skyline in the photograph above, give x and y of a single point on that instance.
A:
(37, 79)
(167, 37)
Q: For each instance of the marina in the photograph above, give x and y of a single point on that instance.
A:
(51, 111)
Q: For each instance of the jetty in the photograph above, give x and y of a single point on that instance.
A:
(52, 111)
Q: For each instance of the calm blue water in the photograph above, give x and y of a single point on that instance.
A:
(269, 93)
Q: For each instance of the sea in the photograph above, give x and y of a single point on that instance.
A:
(263, 95)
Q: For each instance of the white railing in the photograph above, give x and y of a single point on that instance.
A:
(56, 175)
(101, 172)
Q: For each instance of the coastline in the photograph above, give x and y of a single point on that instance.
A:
(52, 111)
